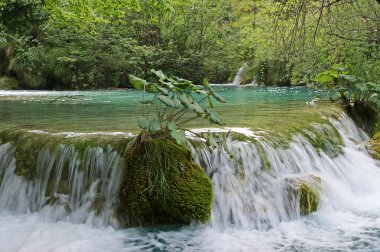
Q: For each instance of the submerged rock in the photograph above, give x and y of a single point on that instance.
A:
(164, 185)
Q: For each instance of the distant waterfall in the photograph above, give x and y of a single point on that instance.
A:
(239, 75)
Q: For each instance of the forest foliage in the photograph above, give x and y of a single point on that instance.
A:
(71, 44)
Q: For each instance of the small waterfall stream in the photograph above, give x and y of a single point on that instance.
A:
(251, 194)
(239, 75)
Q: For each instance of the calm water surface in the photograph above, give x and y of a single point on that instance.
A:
(89, 111)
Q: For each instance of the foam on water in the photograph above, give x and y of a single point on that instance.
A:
(252, 210)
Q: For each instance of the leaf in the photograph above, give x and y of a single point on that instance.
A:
(159, 74)
(170, 102)
(167, 84)
(143, 123)
(182, 84)
(197, 108)
(151, 88)
(217, 97)
(185, 99)
(214, 117)
(375, 87)
(149, 125)
(138, 83)
(210, 104)
(155, 125)
(362, 87)
(188, 102)
(178, 135)
(202, 92)
(141, 84)
(172, 126)
(349, 78)
(162, 90)
(205, 82)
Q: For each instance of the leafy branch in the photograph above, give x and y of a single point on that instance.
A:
(175, 103)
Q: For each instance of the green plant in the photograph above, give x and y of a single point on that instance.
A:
(360, 98)
(175, 102)
(348, 87)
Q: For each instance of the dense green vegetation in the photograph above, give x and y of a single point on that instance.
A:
(70, 44)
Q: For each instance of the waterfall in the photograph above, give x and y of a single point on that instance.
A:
(251, 190)
(252, 181)
(239, 75)
(65, 185)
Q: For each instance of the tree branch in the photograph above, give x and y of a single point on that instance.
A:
(353, 39)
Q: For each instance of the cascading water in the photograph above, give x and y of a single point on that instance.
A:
(254, 209)
(252, 188)
(239, 75)
(64, 185)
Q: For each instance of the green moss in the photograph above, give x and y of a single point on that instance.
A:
(265, 164)
(309, 199)
(326, 138)
(164, 185)
(306, 191)
(236, 136)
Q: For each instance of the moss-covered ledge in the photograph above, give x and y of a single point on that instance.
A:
(29, 143)
(163, 185)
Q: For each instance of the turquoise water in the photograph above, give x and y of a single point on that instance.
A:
(89, 111)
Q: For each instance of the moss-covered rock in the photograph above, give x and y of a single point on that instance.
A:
(306, 191)
(164, 185)
(309, 199)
